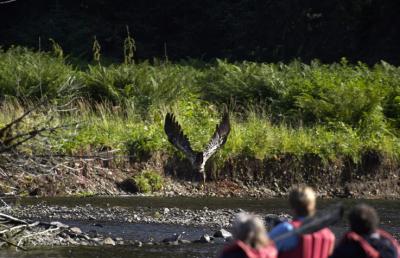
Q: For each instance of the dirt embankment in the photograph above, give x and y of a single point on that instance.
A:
(374, 176)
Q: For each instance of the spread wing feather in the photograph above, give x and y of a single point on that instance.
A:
(177, 137)
(219, 137)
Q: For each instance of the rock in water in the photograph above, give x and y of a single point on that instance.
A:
(138, 243)
(58, 224)
(173, 238)
(205, 238)
(108, 241)
(223, 233)
(75, 230)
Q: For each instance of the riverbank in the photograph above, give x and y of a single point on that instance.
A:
(154, 221)
(243, 177)
(41, 225)
(332, 126)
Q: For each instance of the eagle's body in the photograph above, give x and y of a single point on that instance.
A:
(180, 141)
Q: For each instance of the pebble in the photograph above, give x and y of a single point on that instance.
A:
(186, 217)
(166, 211)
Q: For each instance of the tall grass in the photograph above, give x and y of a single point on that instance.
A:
(27, 74)
(101, 125)
(142, 84)
(329, 110)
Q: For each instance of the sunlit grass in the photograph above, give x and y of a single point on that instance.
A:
(329, 110)
(104, 125)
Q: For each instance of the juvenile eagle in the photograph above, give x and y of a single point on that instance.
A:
(181, 142)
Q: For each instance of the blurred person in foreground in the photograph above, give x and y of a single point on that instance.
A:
(365, 240)
(319, 244)
(250, 239)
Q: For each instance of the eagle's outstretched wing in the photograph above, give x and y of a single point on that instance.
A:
(178, 138)
(219, 137)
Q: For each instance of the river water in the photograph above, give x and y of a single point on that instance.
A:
(389, 211)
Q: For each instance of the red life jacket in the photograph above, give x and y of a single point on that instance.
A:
(369, 250)
(316, 245)
(239, 246)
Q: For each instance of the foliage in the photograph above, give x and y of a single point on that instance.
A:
(27, 74)
(149, 181)
(155, 180)
(141, 84)
(329, 110)
(85, 194)
(142, 183)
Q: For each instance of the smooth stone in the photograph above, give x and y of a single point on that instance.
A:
(172, 243)
(59, 224)
(223, 233)
(138, 243)
(205, 239)
(166, 211)
(72, 241)
(108, 241)
(75, 230)
(173, 238)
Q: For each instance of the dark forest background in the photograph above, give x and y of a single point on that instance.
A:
(259, 30)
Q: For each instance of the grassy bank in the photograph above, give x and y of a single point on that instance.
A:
(255, 135)
(328, 110)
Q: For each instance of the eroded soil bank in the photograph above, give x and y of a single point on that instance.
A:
(374, 176)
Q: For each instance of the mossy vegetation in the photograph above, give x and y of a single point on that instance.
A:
(329, 110)
(149, 181)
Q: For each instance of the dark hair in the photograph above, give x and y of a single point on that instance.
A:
(363, 219)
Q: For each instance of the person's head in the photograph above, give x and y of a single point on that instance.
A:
(302, 199)
(363, 219)
(250, 229)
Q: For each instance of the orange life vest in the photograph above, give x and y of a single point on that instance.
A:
(369, 250)
(239, 246)
(316, 245)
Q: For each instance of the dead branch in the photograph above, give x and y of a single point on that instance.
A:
(20, 227)
(7, 127)
(36, 234)
(29, 135)
(11, 218)
(11, 243)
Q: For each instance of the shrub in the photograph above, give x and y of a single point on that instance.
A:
(141, 84)
(142, 183)
(155, 180)
(28, 74)
(329, 110)
(149, 181)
